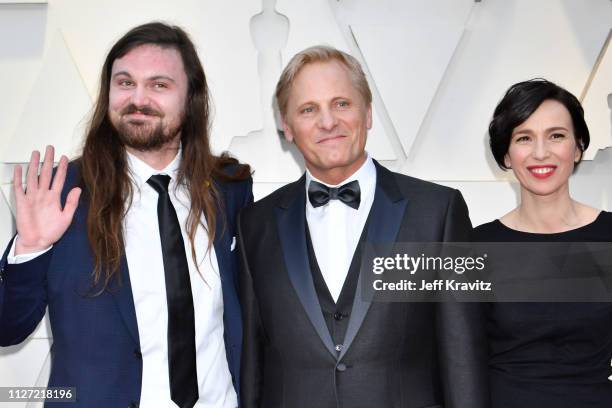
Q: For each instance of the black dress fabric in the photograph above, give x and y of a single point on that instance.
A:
(549, 354)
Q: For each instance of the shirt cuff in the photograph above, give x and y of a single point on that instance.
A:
(22, 258)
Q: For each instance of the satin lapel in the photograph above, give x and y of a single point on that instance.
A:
(125, 301)
(291, 221)
(384, 222)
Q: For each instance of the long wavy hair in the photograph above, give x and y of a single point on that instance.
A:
(104, 170)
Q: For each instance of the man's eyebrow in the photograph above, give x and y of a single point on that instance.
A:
(158, 77)
(153, 78)
(116, 74)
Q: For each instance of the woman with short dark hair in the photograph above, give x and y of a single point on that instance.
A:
(546, 354)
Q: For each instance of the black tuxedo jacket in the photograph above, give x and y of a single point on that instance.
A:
(394, 354)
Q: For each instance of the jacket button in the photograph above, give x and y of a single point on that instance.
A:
(338, 316)
(137, 354)
(341, 367)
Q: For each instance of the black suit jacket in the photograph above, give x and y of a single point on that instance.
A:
(394, 354)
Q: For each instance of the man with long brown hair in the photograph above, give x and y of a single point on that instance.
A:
(131, 245)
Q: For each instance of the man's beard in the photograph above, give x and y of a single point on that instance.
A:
(144, 135)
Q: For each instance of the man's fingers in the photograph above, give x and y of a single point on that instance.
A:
(72, 201)
(60, 175)
(18, 182)
(47, 169)
(32, 176)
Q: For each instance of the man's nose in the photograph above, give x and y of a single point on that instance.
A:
(327, 119)
(140, 96)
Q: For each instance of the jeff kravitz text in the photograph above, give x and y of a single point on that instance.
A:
(439, 265)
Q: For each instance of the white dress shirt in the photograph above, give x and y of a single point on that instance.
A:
(146, 269)
(335, 228)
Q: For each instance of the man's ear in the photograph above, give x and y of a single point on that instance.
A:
(369, 117)
(287, 130)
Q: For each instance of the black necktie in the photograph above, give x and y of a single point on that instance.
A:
(181, 326)
(349, 193)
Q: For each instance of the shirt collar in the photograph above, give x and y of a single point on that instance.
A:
(366, 175)
(141, 171)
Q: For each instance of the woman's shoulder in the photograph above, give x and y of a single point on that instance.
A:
(604, 221)
(490, 231)
(599, 229)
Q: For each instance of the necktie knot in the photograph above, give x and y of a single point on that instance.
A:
(159, 182)
(319, 194)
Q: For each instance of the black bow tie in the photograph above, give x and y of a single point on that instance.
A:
(349, 193)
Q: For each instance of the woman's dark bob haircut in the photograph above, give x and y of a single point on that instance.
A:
(519, 103)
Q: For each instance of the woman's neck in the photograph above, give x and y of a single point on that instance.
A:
(553, 213)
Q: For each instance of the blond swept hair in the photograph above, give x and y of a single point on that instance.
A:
(320, 53)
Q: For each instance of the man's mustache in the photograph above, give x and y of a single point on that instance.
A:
(145, 110)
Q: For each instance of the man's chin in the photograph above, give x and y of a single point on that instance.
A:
(146, 145)
(144, 135)
(144, 142)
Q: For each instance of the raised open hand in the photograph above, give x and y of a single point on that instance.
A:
(41, 221)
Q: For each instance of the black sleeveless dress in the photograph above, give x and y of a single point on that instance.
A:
(555, 355)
